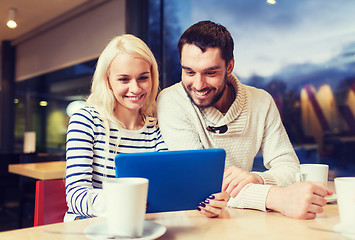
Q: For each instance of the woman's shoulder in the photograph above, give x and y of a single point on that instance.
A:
(151, 121)
(151, 125)
(89, 113)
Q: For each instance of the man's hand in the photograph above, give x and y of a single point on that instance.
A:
(214, 205)
(234, 179)
(302, 200)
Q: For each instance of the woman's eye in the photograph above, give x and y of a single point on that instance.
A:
(143, 78)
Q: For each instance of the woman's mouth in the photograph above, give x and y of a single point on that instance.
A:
(135, 98)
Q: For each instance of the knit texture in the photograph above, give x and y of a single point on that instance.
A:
(89, 162)
(254, 125)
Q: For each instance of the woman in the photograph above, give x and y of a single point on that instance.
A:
(117, 119)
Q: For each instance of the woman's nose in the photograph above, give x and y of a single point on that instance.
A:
(134, 86)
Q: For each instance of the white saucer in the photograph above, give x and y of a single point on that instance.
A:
(345, 231)
(331, 198)
(151, 230)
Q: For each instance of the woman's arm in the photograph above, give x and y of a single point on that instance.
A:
(80, 154)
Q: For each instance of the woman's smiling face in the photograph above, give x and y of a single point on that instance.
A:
(131, 82)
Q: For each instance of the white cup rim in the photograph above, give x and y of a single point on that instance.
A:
(344, 179)
(314, 164)
(128, 180)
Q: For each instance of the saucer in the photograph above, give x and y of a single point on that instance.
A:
(344, 231)
(331, 198)
(151, 230)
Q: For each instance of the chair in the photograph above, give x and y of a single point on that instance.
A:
(50, 202)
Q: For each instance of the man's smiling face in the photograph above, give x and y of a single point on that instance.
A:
(203, 74)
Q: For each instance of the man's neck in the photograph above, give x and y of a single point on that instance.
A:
(226, 100)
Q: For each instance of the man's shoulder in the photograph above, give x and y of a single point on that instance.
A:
(257, 93)
(174, 92)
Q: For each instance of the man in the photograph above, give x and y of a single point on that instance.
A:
(210, 108)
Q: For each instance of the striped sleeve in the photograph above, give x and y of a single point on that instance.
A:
(79, 154)
(160, 144)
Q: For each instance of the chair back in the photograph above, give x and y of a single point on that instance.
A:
(50, 202)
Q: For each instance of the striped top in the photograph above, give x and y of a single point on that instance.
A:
(89, 162)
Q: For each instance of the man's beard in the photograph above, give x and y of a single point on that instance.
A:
(214, 100)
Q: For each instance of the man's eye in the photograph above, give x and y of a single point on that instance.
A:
(210, 73)
(190, 73)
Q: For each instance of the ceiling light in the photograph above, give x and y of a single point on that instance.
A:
(272, 2)
(43, 103)
(11, 23)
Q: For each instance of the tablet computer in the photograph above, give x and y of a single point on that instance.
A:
(178, 180)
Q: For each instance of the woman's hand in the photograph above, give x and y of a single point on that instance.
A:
(214, 205)
(234, 179)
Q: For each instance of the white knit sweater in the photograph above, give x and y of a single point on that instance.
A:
(254, 125)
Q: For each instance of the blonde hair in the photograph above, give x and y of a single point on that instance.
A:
(102, 97)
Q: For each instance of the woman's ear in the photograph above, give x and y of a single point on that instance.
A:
(108, 81)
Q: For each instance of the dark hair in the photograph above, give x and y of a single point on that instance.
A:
(207, 34)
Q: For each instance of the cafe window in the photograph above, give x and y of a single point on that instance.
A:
(44, 104)
(301, 52)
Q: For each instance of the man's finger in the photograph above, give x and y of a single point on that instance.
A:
(240, 186)
(321, 190)
(227, 172)
(226, 182)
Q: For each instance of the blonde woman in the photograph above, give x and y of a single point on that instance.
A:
(118, 118)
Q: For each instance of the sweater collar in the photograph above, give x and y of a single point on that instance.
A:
(214, 116)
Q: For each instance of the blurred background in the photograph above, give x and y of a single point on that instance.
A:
(301, 52)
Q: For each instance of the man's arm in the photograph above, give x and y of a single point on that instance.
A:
(235, 179)
(302, 200)
(278, 154)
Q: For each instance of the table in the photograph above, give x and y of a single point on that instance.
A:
(235, 224)
(41, 171)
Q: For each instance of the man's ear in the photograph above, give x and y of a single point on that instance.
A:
(230, 67)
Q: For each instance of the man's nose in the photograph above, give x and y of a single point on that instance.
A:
(199, 82)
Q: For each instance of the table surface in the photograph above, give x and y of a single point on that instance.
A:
(235, 224)
(42, 170)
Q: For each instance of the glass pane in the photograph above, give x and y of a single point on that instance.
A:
(301, 52)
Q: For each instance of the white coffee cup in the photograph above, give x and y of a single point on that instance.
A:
(345, 189)
(125, 200)
(313, 173)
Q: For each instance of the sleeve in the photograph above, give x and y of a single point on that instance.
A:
(79, 156)
(278, 153)
(175, 122)
(252, 196)
(160, 143)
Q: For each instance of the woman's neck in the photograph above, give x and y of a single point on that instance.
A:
(130, 120)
